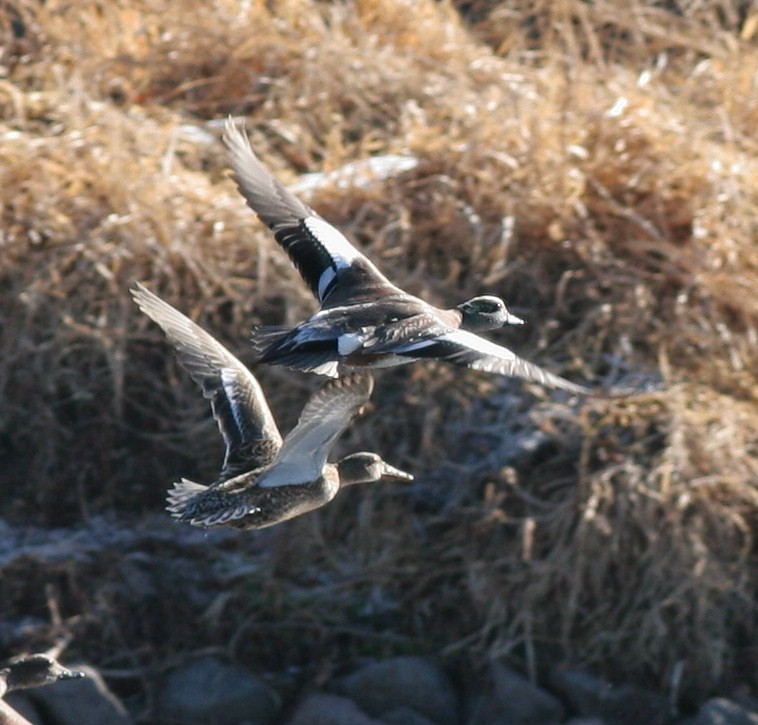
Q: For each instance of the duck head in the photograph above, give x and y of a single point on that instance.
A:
(486, 312)
(367, 467)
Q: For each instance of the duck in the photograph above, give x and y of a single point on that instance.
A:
(264, 479)
(364, 320)
(27, 671)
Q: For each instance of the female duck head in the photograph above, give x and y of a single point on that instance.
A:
(367, 467)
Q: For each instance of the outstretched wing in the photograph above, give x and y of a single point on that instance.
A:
(321, 253)
(302, 457)
(472, 351)
(239, 406)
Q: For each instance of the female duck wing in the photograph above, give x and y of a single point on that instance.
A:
(331, 266)
(466, 348)
(239, 406)
(302, 457)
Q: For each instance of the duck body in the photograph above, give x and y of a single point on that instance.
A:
(244, 504)
(273, 494)
(356, 335)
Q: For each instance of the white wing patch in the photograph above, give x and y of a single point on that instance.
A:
(337, 246)
(329, 369)
(350, 342)
(228, 379)
(478, 344)
(335, 243)
(326, 278)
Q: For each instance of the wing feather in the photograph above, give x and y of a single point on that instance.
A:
(321, 253)
(303, 455)
(470, 350)
(239, 406)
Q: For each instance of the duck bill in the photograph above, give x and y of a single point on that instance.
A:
(511, 319)
(395, 474)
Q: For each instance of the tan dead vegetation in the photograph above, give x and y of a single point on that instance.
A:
(593, 163)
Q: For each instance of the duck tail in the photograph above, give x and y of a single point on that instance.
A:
(278, 346)
(180, 496)
(206, 506)
(267, 337)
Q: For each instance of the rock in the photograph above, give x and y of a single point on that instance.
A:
(412, 682)
(86, 700)
(514, 701)
(16, 707)
(209, 691)
(322, 709)
(720, 711)
(405, 716)
(590, 696)
(743, 697)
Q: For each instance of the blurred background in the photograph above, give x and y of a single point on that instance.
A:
(592, 163)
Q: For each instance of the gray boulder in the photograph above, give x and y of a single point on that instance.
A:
(208, 691)
(411, 682)
(513, 700)
(720, 711)
(405, 716)
(16, 707)
(626, 705)
(322, 709)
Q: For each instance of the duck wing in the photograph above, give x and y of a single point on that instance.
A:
(302, 457)
(470, 350)
(239, 406)
(336, 272)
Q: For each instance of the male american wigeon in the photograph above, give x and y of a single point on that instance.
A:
(364, 320)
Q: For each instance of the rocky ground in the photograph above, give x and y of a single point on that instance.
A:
(205, 688)
(398, 691)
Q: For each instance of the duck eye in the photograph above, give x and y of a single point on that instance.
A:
(488, 306)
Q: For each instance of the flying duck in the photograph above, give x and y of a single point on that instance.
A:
(263, 479)
(364, 320)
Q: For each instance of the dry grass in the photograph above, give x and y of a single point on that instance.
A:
(574, 158)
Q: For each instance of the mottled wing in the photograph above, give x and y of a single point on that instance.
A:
(326, 415)
(321, 253)
(239, 406)
(408, 332)
(466, 348)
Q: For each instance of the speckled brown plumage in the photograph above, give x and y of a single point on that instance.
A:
(264, 479)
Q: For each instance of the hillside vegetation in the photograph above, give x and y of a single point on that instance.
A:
(593, 163)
